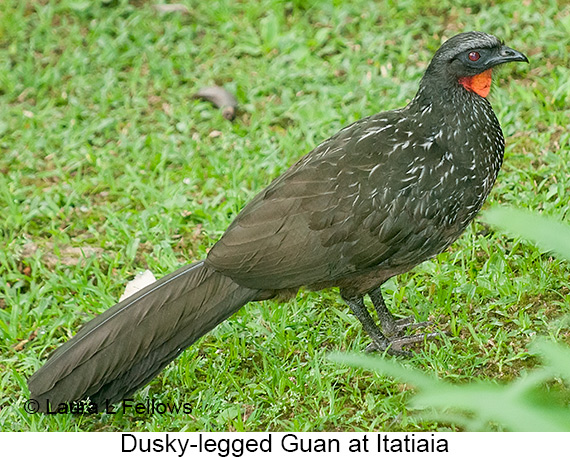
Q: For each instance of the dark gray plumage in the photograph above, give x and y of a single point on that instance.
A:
(379, 197)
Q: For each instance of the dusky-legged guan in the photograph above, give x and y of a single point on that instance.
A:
(381, 196)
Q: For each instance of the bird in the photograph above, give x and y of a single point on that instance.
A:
(379, 197)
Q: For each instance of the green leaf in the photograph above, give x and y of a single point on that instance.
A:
(515, 406)
(556, 356)
(548, 234)
(387, 367)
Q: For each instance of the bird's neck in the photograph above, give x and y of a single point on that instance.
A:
(447, 97)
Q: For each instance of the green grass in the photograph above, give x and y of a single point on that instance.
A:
(102, 146)
(531, 402)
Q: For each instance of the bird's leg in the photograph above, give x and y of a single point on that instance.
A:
(379, 341)
(393, 345)
(390, 325)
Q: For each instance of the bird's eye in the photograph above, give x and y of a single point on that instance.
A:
(474, 56)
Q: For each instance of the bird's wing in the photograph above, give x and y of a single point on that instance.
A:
(342, 208)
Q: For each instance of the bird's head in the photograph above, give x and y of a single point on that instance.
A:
(467, 60)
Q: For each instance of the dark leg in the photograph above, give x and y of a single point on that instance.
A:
(393, 345)
(390, 325)
(380, 342)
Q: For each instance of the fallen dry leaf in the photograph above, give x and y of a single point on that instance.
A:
(18, 347)
(221, 98)
(140, 282)
(32, 336)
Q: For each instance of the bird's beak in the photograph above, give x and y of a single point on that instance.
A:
(506, 54)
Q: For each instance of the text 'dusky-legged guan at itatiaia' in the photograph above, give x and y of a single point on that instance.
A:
(381, 196)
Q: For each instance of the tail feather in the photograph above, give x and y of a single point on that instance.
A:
(129, 344)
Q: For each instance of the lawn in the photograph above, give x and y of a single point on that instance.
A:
(109, 166)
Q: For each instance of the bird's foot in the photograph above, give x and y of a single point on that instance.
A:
(395, 345)
(397, 327)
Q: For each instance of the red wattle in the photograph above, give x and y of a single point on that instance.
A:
(480, 83)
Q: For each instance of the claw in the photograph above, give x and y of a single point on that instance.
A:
(399, 326)
(395, 346)
(389, 337)
(392, 327)
(372, 347)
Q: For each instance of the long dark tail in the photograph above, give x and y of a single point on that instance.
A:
(129, 344)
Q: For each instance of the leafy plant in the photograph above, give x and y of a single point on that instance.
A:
(548, 234)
